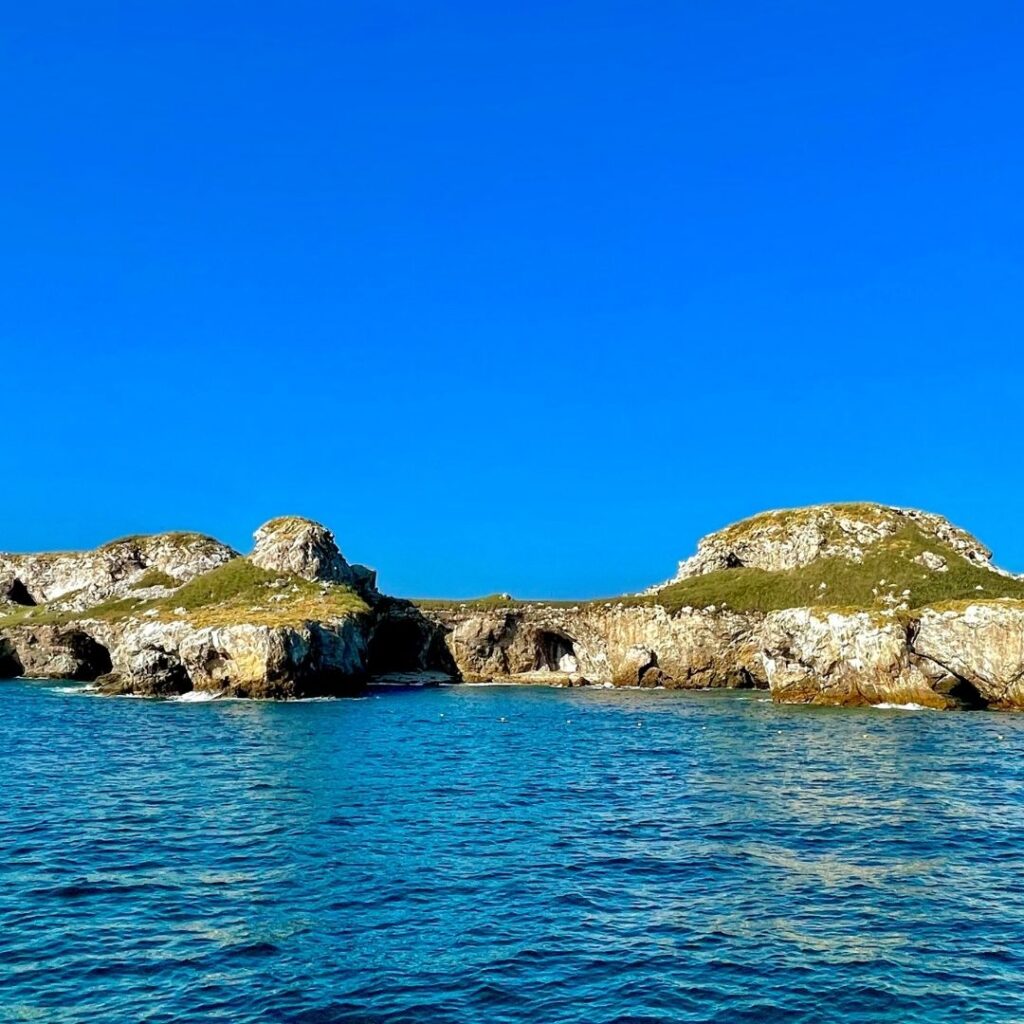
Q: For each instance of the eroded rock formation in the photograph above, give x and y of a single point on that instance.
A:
(302, 547)
(296, 619)
(980, 645)
(76, 580)
(626, 645)
(56, 652)
(791, 538)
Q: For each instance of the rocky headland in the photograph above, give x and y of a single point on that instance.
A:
(834, 604)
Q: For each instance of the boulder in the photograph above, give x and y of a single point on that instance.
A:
(930, 560)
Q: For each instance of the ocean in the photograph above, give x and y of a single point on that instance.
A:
(507, 854)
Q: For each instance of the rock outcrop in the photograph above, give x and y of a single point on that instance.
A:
(246, 634)
(295, 619)
(624, 645)
(970, 657)
(76, 580)
(306, 660)
(792, 538)
(55, 652)
(302, 547)
(812, 657)
(980, 645)
(311, 660)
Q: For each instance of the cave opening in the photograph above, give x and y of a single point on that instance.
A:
(17, 593)
(396, 645)
(554, 652)
(964, 692)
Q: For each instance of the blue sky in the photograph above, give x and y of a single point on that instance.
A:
(518, 297)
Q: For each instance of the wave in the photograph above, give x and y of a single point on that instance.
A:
(887, 706)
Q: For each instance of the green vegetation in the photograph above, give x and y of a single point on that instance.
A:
(18, 615)
(239, 591)
(237, 580)
(846, 584)
(887, 579)
(235, 592)
(154, 578)
(832, 583)
(43, 615)
(790, 518)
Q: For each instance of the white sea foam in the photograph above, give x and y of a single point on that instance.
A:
(205, 696)
(901, 707)
(196, 697)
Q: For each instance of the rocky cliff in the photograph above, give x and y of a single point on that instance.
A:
(75, 580)
(844, 605)
(177, 613)
(838, 604)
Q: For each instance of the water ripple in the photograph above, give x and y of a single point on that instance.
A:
(530, 855)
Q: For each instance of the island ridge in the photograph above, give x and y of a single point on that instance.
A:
(854, 604)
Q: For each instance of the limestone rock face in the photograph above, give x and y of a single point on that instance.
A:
(693, 649)
(306, 548)
(635, 663)
(57, 652)
(793, 538)
(145, 658)
(264, 661)
(627, 645)
(813, 657)
(982, 644)
(76, 580)
(165, 658)
(963, 658)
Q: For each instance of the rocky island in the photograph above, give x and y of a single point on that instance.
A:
(854, 604)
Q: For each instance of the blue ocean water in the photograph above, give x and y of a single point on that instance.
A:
(484, 854)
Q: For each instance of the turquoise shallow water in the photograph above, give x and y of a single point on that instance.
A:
(507, 855)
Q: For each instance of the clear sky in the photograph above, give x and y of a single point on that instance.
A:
(519, 296)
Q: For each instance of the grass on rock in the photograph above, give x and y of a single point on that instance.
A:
(234, 593)
(879, 581)
(239, 591)
(848, 585)
(154, 578)
(888, 578)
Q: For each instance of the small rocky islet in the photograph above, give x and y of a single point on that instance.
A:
(857, 604)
